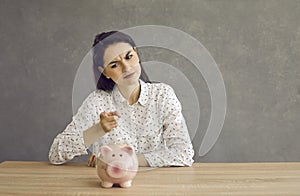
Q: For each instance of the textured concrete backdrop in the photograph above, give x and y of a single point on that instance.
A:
(256, 45)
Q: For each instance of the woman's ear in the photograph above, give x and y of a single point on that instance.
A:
(136, 51)
(102, 71)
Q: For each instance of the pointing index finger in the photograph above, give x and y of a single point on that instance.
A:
(114, 113)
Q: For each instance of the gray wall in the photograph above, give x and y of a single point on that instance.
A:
(256, 45)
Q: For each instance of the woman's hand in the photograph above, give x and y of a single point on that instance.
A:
(108, 120)
(92, 161)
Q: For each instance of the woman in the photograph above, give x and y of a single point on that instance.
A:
(126, 109)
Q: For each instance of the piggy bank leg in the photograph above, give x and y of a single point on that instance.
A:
(126, 184)
(107, 184)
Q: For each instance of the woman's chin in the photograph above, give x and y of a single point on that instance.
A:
(128, 81)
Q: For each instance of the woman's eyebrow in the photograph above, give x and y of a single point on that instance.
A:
(128, 52)
(112, 62)
(118, 61)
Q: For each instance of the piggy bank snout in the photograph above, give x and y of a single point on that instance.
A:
(116, 170)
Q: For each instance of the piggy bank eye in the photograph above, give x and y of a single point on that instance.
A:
(113, 155)
(121, 155)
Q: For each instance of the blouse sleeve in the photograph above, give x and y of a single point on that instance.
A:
(70, 142)
(178, 149)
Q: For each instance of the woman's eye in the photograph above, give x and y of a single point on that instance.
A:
(113, 66)
(121, 155)
(129, 56)
(113, 155)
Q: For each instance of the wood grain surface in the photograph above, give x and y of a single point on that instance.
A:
(42, 178)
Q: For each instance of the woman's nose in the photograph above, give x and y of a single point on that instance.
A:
(126, 66)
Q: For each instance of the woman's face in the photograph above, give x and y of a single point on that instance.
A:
(121, 64)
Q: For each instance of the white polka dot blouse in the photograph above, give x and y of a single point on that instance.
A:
(154, 126)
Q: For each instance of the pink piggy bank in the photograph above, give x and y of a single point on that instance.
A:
(117, 164)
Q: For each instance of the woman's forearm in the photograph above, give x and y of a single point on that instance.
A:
(142, 161)
(92, 134)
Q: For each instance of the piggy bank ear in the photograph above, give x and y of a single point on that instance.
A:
(128, 149)
(105, 150)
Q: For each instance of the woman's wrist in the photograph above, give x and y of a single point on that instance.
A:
(142, 161)
(92, 134)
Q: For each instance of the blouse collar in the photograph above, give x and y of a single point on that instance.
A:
(143, 98)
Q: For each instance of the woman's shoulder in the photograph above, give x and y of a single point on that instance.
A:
(98, 95)
(101, 92)
(160, 87)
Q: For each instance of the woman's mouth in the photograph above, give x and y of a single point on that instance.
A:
(129, 75)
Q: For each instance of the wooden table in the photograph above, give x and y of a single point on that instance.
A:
(42, 178)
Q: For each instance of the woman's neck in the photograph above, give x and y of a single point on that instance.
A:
(130, 92)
